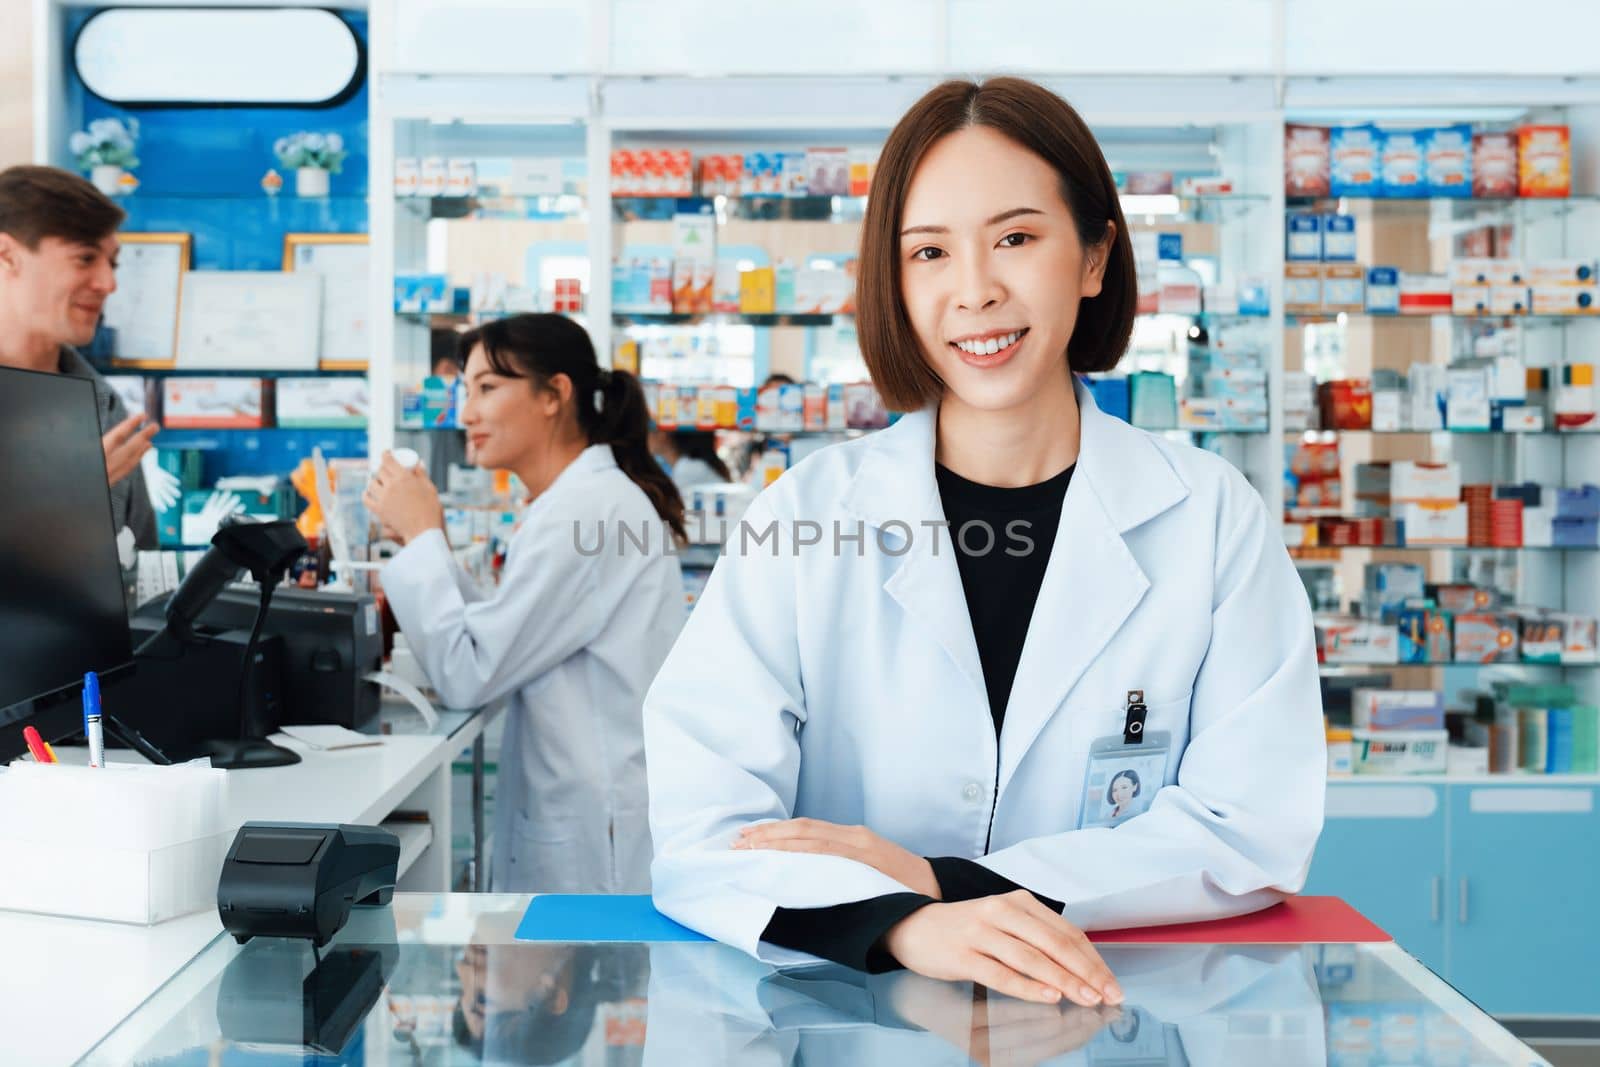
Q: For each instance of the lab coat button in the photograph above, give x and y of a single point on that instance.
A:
(973, 792)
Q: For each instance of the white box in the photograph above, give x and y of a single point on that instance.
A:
(1561, 272)
(1460, 760)
(1483, 271)
(1386, 407)
(1564, 300)
(1509, 300)
(1538, 527)
(322, 402)
(1401, 751)
(1521, 419)
(1434, 524)
(126, 843)
(1410, 480)
(1467, 402)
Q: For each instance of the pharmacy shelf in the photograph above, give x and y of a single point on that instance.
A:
(1294, 549)
(1522, 778)
(787, 318)
(791, 318)
(488, 205)
(1168, 208)
(202, 372)
(1301, 318)
(1508, 434)
(1334, 670)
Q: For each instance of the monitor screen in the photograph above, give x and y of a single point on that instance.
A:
(61, 600)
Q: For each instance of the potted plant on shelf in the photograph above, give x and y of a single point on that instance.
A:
(105, 150)
(312, 157)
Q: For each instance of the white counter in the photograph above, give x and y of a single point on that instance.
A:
(65, 983)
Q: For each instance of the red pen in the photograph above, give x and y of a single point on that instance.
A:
(35, 744)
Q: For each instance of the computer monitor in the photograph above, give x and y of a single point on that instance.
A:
(61, 602)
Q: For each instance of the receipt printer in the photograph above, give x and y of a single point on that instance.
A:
(301, 879)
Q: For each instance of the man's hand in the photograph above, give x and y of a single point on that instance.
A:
(125, 446)
(1011, 943)
(852, 842)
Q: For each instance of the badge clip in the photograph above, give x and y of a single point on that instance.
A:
(1133, 725)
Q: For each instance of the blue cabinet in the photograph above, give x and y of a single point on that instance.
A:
(1383, 851)
(1524, 899)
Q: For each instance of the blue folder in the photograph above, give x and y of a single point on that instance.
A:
(592, 918)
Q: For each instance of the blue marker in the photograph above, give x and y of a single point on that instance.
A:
(91, 720)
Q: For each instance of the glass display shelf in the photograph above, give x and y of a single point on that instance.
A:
(1528, 207)
(1294, 549)
(727, 318)
(794, 318)
(563, 207)
(1332, 669)
(1167, 207)
(1495, 434)
(1300, 318)
(205, 372)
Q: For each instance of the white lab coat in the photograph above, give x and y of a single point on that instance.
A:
(572, 639)
(689, 472)
(819, 682)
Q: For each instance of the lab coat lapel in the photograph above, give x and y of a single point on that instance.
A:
(1092, 582)
(894, 492)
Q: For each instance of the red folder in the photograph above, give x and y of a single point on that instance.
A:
(1296, 921)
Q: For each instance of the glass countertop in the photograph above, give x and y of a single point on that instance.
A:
(439, 979)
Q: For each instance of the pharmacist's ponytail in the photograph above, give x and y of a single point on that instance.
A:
(621, 420)
(609, 405)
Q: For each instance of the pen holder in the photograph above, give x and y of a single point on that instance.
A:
(129, 844)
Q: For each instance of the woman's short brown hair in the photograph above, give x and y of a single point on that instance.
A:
(1047, 126)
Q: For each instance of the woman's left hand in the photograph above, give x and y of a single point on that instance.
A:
(403, 500)
(852, 842)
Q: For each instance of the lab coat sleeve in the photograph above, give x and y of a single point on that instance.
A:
(545, 608)
(722, 751)
(1236, 832)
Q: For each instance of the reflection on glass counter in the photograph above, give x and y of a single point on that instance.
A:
(441, 981)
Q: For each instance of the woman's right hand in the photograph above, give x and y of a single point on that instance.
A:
(1011, 943)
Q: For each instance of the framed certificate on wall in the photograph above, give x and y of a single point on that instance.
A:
(144, 309)
(341, 260)
(245, 320)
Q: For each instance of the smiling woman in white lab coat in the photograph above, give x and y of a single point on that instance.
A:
(889, 732)
(572, 634)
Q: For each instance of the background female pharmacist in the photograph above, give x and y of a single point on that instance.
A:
(883, 750)
(572, 635)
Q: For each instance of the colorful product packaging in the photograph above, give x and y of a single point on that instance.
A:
(1447, 160)
(1306, 161)
(1494, 165)
(1304, 238)
(216, 403)
(1486, 637)
(1302, 287)
(1403, 167)
(1383, 291)
(1356, 154)
(1338, 239)
(1396, 709)
(1544, 161)
(1343, 287)
(1352, 640)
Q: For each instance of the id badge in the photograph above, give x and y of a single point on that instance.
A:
(1122, 778)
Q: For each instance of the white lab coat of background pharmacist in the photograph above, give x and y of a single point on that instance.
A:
(573, 640)
(819, 683)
